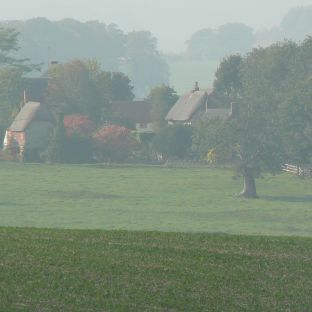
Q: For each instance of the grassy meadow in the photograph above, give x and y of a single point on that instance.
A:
(151, 199)
(99, 238)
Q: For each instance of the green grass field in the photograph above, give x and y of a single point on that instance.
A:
(151, 199)
(58, 270)
(183, 74)
(167, 251)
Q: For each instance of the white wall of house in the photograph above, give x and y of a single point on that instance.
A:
(144, 127)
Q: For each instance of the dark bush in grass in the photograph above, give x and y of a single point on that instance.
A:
(174, 141)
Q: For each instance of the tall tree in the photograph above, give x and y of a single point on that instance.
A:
(297, 23)
(213, 44)
(296, 109)
(11, 71)
(135, 54)
(143, 63)
(235, 38)
(255, 133)
(56, 149)
(201, 45)
(9, 44)
(10, 95)
(161, 99)
(227, 78)
(83, 87)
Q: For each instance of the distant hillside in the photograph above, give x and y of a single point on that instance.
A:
(136, 53)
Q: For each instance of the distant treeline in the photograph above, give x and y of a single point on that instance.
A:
(134, 53)
(231, 38)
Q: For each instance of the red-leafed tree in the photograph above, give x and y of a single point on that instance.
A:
(114, 143)
(78, 125)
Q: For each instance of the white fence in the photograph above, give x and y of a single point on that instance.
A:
(297, 170)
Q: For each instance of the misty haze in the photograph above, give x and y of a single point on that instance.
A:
(156, 156)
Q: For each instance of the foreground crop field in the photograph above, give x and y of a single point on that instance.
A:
(72, 270)
(148, 198)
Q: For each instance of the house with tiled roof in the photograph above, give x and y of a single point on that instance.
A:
(194, 105)
(30, 131)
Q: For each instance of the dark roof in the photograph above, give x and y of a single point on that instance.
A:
(220, 113)
(134, 111)
(187, 105)
(35, 88)
(31, 111)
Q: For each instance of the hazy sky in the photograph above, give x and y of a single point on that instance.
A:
(171, 21)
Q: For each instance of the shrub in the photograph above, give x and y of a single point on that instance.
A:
(174, 141)
(114, 143)
(78, 125)
(6, 155)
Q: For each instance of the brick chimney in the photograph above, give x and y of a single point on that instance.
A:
(52, 63)
(196, 87)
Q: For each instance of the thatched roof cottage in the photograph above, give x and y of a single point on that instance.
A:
(194, 105)
(30, 130)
